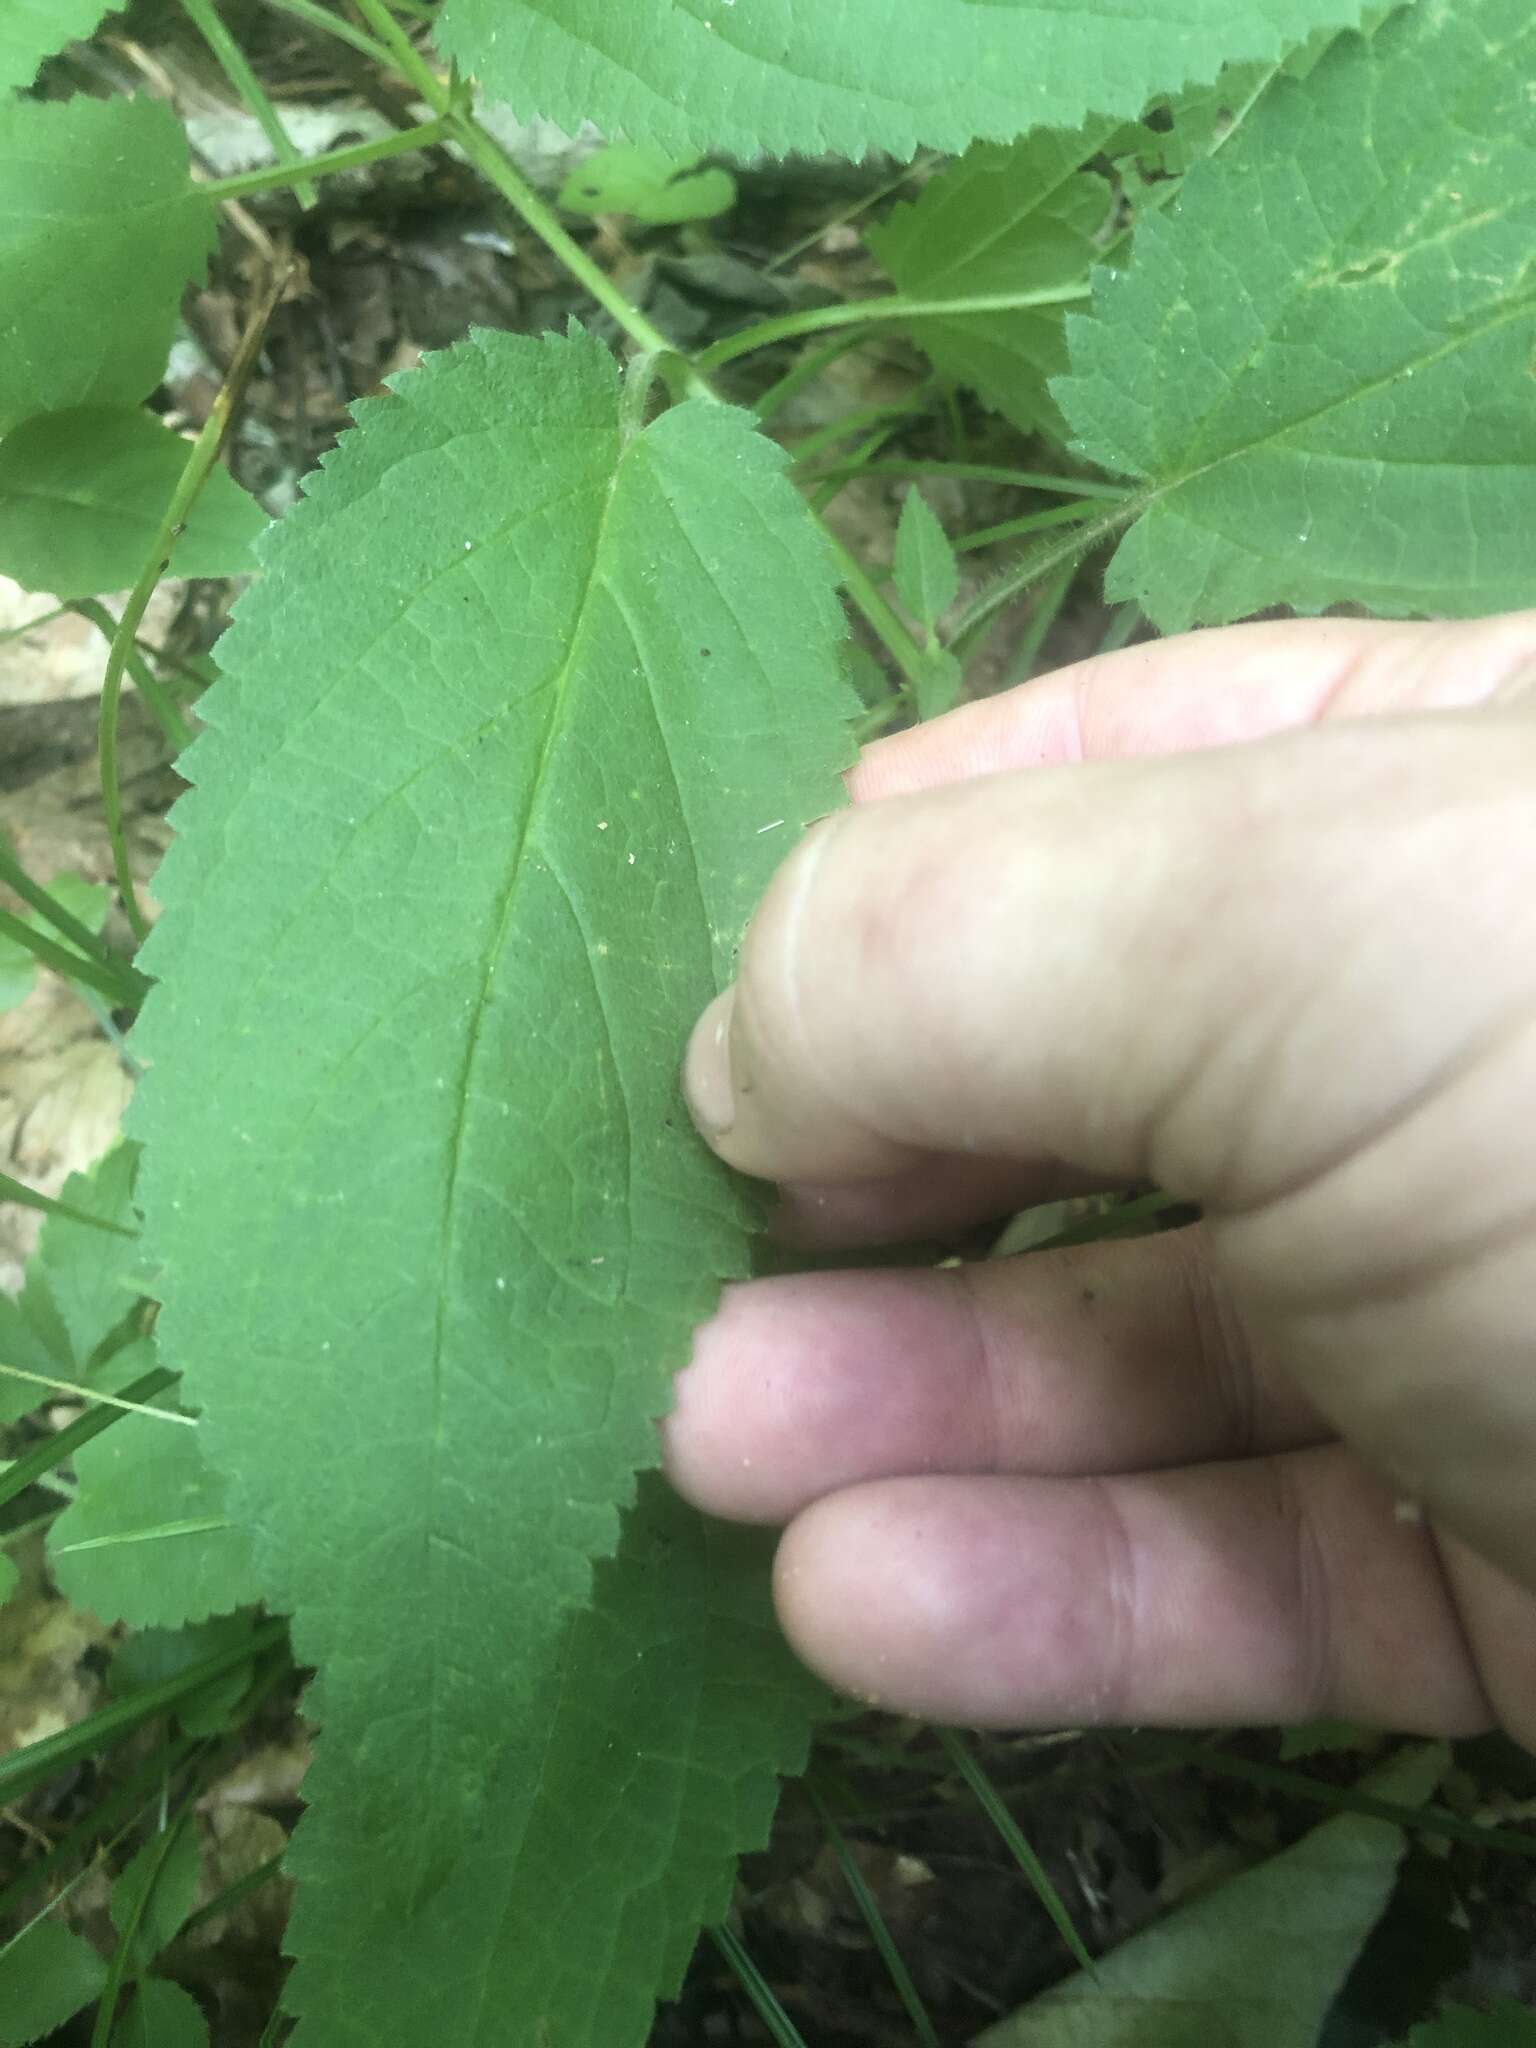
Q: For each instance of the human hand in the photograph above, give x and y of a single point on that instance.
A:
(1251, 914)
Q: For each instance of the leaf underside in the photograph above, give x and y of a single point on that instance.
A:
(31, 30)
(100, 229)
(799, 75)
(1321, 364)
(522, 715)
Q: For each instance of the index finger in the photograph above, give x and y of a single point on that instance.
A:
(1209, 689)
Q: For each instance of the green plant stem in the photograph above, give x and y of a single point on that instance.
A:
(161, 704)
(275, 177)
(977, 1781)
(336, 25)
(982, 473)
(127, 1800)
(758, 1989)
(805, 372)
(117, 1968)
(59, 1448)
(874, 1920)
(59, 611)
(236, 68)
(73, 966)
(1034, 567)
(499, 171)
(1291, 1783)
(13, 1190)
(882, 619)
(806, 451)
(195, 473)
(130, 985)
(825, 493)
(38, 1762)
(1053, 596)
(234, 1893)
(874, 312)
(854, 209)
(1017, 529)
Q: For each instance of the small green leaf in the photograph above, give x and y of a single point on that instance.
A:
(32, 30)
(1018, 219)
(1319, 365)
(100, 230)
(155, 1655)
(926, 572)
(47, 1975)
(1255, 1963)
(82, 495)
(800, 75)
(80, 1284)
(148, 1540)
(161, 2015)
(10, 1578)
(156, 1892)
(649, 185)
(1504, 2025)
(19, 967)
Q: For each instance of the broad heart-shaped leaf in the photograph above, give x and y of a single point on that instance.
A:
(1020, 218)
(100, 229)
(148, 1539)
(47, 1974)
(1320, 364)
(82, 495)
(31, 30)
(526, 708)
(1254, 1963)
(611, 1828)
(802, 75)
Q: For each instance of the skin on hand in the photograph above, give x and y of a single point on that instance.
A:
(1251, 914)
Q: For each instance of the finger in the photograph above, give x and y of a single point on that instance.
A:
(1204, 690)
(1273, 1590)
(1498, 1619)
(1105, 964)
(941, 1198)
(1104, 1358)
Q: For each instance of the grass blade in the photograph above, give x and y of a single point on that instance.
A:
(992, 1805)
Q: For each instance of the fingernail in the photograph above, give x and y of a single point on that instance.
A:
(707, 1082)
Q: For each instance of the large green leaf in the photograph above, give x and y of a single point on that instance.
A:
(100, 229)
(31, 30)
(82, 495)
(645, 1766)
(787, 75)
(526, 708)
(1020, 218)
(1320, 365)
(1255, 1963)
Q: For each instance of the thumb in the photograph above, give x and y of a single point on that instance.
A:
(1216, 970)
